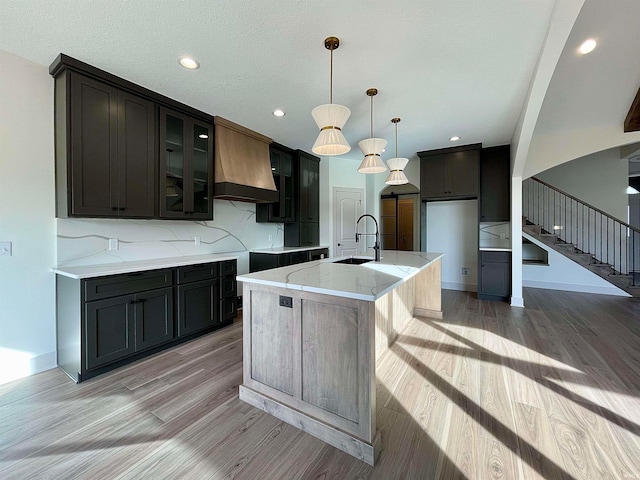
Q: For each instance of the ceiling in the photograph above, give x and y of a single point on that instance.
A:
(446, 67)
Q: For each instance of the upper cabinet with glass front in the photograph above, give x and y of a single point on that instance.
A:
(281, 211)
(186, 167)
(123, 151)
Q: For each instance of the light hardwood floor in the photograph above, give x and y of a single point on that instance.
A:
(549, 391)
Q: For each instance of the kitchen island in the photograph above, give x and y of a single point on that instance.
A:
(313, 332)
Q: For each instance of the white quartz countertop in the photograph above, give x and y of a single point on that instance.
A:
(279, 250)
(368, 281)
(101, 270)
(497, 245)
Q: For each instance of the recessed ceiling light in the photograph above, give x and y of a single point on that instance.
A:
(454, 138)
(188, 62)
(587, 46)
(279, 113)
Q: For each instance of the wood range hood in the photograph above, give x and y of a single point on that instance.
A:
(242, 164)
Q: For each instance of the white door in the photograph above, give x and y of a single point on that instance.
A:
(347, 208)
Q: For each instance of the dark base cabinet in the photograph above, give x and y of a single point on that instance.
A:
(266, 261)
(105, 322)
(494, 280)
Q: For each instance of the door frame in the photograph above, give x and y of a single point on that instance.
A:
(336, 215)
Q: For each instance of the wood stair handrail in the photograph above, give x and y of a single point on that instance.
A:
(625, 224)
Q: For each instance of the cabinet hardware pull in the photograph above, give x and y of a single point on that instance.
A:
(114, 209)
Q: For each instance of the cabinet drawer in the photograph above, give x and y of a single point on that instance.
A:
(299, 257)
(228, 309)
(502, 257)
(228, 267)
(228, 287)
(194, 273)
(106, 287)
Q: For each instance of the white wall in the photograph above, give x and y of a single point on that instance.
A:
(600, 179)
(452, 228)
(337, 172)
(565, 274)
(27, 325)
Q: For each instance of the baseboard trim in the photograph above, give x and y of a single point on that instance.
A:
(517, 302)
(334, 437)
(615, 291)
(462, 287)
(424, 312)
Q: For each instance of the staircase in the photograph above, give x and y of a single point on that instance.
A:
(606, 246)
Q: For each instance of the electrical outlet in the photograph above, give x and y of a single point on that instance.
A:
(502, 236)
(464, 271)
(5, 248)
(196, 240)
(286, 301)
(114, 244)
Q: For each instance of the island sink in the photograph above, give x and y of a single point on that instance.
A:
(354, 261)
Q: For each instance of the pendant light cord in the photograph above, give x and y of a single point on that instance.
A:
(396, 139)
(371, 121)
(331, 78)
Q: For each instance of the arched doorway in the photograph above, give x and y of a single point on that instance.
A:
(400, 217)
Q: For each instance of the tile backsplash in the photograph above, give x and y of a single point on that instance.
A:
(490, 232)
(234, 230)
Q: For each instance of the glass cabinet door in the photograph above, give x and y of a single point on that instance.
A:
(201, 167)
(172, 185)
(186, 175)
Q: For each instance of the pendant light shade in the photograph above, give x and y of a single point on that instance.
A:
(331, 117)
(372, 147)
(397, 165)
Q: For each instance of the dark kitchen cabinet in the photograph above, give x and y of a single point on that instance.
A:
(105, 322)
(305, 231)
(197, 306)
(119, 326)
(106, 150)
(265, 261)
(494, 280)
(110, 327)
(450, 173)
(283, 210)
(114, 159)
(200, 294)
(228, 290)
(495, 183)
(186, 167)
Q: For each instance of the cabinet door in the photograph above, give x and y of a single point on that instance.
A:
(309, 234)
(309, 190)
(282, 168)
(136, 156)
(495, 202)
(462, 173)
(197, 306)
(109, 330)
(154, 318)
(495, 273)
(173, 185)
(186, 167)
(201, 164)
(433, 177)
(94, 142)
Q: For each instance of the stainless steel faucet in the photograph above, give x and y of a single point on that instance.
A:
(376, 245)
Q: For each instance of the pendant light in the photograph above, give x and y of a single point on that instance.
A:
(331, 117)
(372, 147)
(396, 165)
